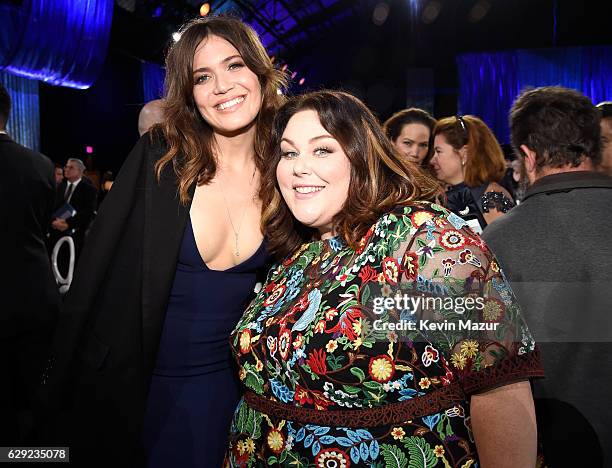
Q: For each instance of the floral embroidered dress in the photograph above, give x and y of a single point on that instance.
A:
(339, 370)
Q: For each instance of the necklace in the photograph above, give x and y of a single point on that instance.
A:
(236, 231)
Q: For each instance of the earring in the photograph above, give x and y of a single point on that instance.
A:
(463, 162)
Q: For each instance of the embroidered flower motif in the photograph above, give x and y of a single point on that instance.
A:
(441, 222)
(259, 366)
(284, 340)
(364, 241)
(245, 341)
(448, 266)
(332, 458)
(248, 446)
(242, 373)
(466, 256)
(493, 309)
(301, 395)
(345, 323)
(391, 270)
(275, 296)
(430, 355)
(455, 411)
(439, 451)
(367, 274)
(427, 249)
(410, 264)
(331, 346)
(494, 266)
(271, 342)
(476, 241)
(331, 313)
(420, 217)
(381, 368)
(469, 348)
(320, 326)
(451, 239)
(398, 433)
(424, 383)
(276, 441)
(316, 361)
(458, 360)
(298, 342)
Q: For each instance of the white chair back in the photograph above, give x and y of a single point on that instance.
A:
(64, 282)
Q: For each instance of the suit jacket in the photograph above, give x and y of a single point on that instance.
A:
(83, 200)
(29, 296)
(27, 288)
(106, 345)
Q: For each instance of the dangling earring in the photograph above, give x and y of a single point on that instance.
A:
(463, 162)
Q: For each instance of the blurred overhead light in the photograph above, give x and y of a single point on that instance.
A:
(431, 12)
(301, 82)
(479, 11)
(205, 9)
(380, 14)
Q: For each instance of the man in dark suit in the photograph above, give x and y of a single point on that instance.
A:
(80, 194)
(29, 296)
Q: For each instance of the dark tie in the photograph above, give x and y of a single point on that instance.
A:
(68, 192)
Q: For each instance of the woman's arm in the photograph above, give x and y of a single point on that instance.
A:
(504, 426)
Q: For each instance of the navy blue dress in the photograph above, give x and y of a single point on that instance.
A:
(194, 389)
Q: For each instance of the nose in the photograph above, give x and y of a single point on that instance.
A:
(301, 166)
(222, 84)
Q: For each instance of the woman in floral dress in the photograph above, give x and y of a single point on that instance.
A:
(388, 336)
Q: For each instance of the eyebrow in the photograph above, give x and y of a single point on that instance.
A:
(225, 60)
(320, 137)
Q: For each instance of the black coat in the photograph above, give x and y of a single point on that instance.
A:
(106, 345)
(28, 292)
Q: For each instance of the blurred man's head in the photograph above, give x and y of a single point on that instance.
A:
(73, 170)
(606, 137)
(5, 106)
(150, 114)
(59, 174)
(554, 130)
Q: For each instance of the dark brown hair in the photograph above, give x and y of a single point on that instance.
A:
(188, 136)
(380, 179)
(485, 162)
(561, 125)
(394, 124)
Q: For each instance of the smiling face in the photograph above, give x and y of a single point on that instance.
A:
(447, 161)
(313, 173)
(413, 142)
(226, 92)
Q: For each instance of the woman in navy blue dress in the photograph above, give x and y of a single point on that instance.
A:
(140, 370)
(221, 92)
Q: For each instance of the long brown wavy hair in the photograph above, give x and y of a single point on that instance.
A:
(188, 136)
(380, 179)
(485, 162)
